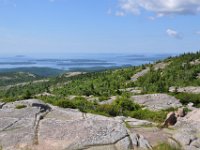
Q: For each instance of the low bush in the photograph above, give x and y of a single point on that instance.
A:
(186, 98)
(165, 146)
(65, 104)
(84, 105)
(125, 104)
(109, 110)
(155, 116)
(103, 98)
(122, 106)
(20, 106)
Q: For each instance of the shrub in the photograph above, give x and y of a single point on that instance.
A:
(156, 116)
(7, 100)
(65, 104)
(165, 146)
(27, 95)
(110, 110)
(185, 98)
(21, 106)
(83, 105)
(103, 98)
(125, 104)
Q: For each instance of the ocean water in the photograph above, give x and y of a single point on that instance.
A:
(73, 61)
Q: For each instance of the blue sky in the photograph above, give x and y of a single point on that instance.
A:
(99, 26)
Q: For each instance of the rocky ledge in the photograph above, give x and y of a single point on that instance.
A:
(33, 125)
(187, 130)
(157, 101)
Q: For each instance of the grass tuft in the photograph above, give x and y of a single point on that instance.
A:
(165, 146)
(21, 106)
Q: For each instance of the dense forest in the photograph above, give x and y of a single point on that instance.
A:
(181, 71)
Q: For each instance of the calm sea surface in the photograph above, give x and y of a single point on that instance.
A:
(69, 61)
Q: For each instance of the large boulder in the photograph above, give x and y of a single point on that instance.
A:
(170, 120)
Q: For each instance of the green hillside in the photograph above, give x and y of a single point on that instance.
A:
(12, 78)
(180, 71)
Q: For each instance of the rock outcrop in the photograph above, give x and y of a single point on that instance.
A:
(195, 62)
(187, 131)
(132, 122)
(39, 126)
(172, 117)
(157, 101)
(161, 65)
(139, 74)
(143, 72)
(170, 120)
(188, 89)
(133, 90)
(109, 101)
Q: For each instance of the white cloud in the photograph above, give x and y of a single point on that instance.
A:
(174, 34)
(161, 7)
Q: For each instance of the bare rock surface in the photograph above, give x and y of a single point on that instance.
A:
(161, 65)
(133, 90)
(72, 74)
(154, 135)
(139, 74)
(188, 89)
(18, 126)
(109, 101)
(157, 101)
(143, 72)
(137, 123)
(42, 126)
(195, 62)
(187, 130)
